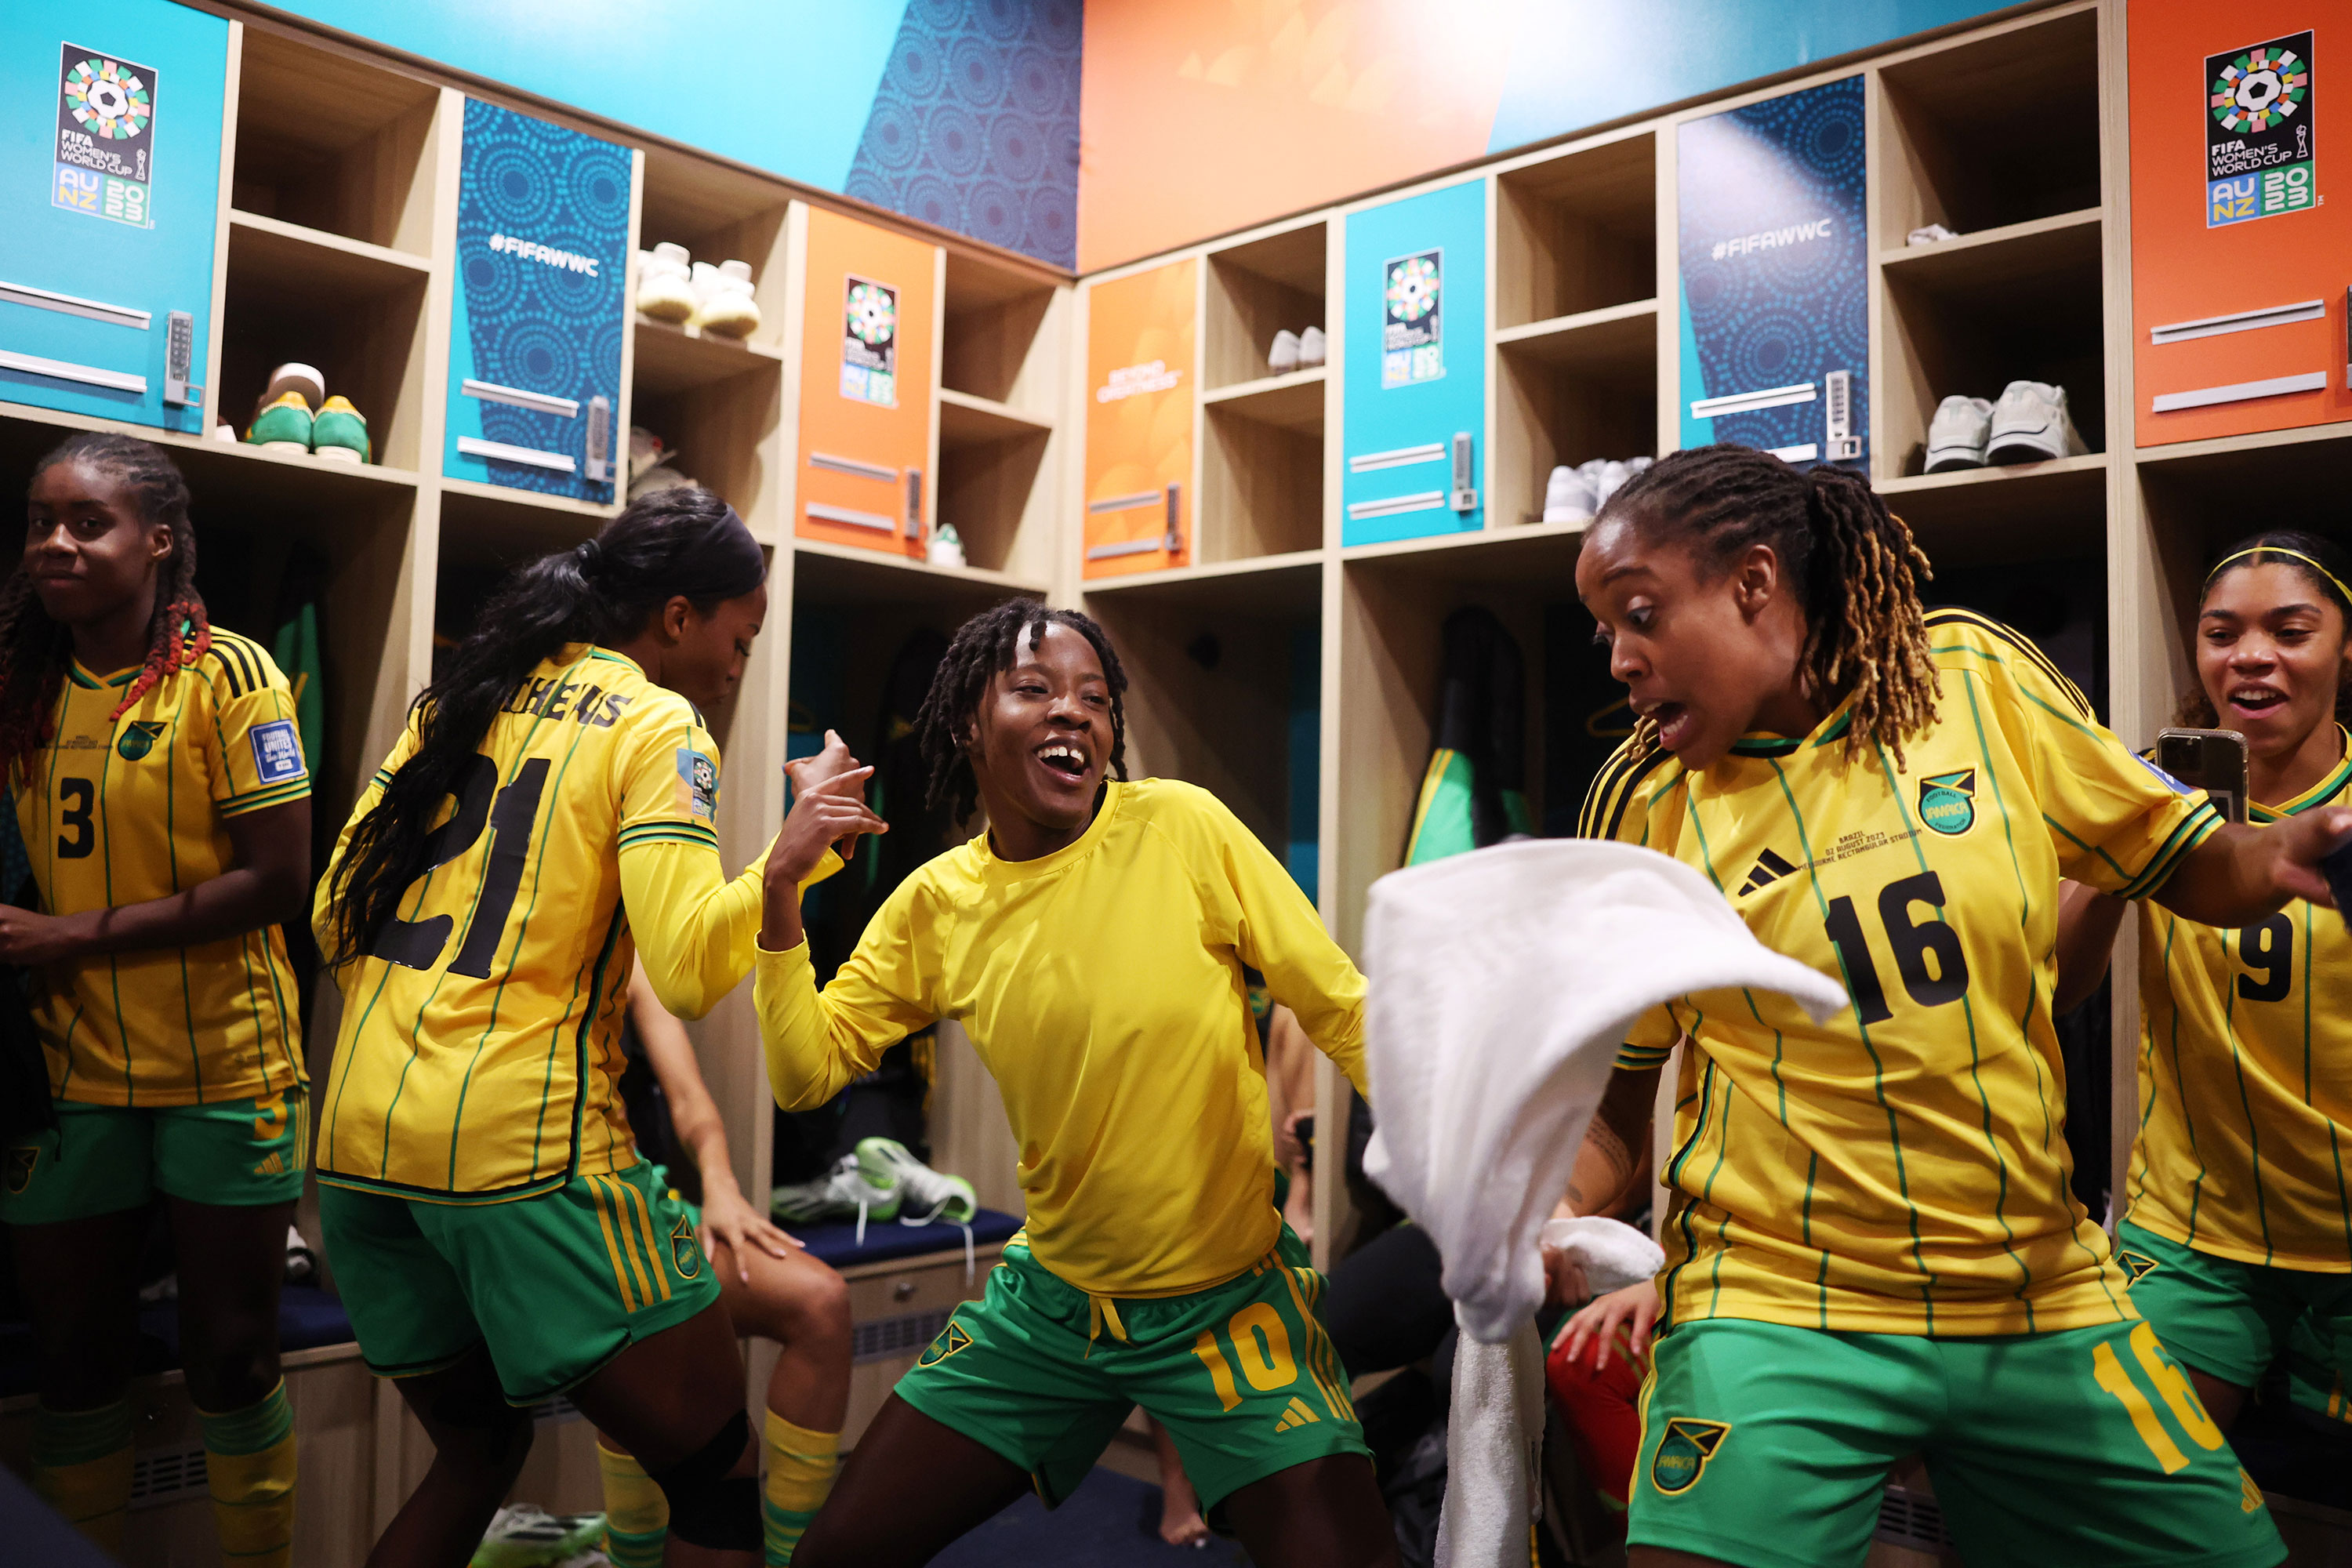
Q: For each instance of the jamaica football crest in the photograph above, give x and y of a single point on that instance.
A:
(1683, 1451)
(952, 1338)
(1947, 802)
(2137, 1266)
(21, 1160)
(138, 738)
(684, 1251)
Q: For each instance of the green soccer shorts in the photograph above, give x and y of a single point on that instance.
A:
(1767, 1446)
(1242, 1375)
(2231, 1319)
(103, 1159)
(555, 1286)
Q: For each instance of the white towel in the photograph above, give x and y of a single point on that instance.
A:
(1502, 983)
(1615, 1255)
(1492, 1457)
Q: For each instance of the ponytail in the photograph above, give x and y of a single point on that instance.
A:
(677, 543)
(1851, 562)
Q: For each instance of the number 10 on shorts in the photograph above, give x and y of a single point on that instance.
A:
(1261, 1343)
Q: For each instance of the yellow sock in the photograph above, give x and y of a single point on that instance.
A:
(249, 1461)
(82, 1467)
(800, 1465)
(636, 1514)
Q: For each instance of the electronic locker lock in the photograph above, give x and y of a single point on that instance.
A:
(600, 439)
(1465, 486)
(1172, 541)
(1839, 441)
(179, 360)
(914, 503)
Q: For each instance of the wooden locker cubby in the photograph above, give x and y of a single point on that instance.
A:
(1569, 389)
(328, 141)
(1576, 234)
(1255, 289)
(1004, 331)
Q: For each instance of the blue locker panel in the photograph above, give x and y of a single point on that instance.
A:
(1416, 359)
(109, 189)
(1775, 307)
(535, 337)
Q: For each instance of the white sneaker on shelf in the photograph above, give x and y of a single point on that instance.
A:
(946, 548)
(1613, 474)
(1283, 357)
(723, 302)
(1930, 235)
(1312, 348)
(1568, 497)
(1955, 436)
(665, 284)
(2030, 425)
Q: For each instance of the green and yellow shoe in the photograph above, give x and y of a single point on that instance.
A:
(340, 432)
(281, 427)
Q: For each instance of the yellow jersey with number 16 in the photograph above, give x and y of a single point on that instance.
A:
(120, 811)
(1901, 1168)
(2246, 1076)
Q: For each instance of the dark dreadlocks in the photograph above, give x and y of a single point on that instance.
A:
(983, 647)
(1856, 573)
(34, 648)
(2320, 562)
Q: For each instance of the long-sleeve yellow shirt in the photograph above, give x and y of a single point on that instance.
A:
(1102, 986)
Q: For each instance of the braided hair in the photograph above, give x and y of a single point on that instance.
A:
(34, 648)
(1851, 561)
(983, 647)
(2320, 562)
(684, 542)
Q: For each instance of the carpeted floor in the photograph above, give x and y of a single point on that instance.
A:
(1110, 1521)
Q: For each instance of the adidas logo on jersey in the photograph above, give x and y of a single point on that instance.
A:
(1769, 868)
(272, 1167)
(1296, 1415)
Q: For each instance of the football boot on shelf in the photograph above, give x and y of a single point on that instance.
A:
(340, 432)
(282, 425)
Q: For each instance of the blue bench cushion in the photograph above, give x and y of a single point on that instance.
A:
(307, 1317)
(838, 1246)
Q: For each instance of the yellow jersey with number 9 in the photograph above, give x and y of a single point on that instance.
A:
(480, 1055)
(2246, 1076)
(1901, 1168)
(120, 811)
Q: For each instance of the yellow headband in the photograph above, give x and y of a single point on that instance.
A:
(2342, 591)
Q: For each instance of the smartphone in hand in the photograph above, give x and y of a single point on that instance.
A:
(2211, 760)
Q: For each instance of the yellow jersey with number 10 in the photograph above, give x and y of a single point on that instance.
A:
(1901, 1168)
(120, 811)
(2246, 1076)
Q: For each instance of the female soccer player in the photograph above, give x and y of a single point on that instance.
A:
(1872, 1250)
(1092, 941)
(2240, 1225)
(162, 797)
(546, 819)
(770, 1287)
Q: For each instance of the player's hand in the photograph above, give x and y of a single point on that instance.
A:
(30, 938)
(1564, 1284)
(833, 810)
(728, 1221)
(2302, 842)
(1634, 1310)
(807, 772)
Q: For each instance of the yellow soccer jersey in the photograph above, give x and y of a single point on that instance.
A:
(2245, 1077)
(1901, 1168)
(120, 811)
(1102, 987)
(479, 1055)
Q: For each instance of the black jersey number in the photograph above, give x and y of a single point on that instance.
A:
(74, 800)
(509, 814)
(2267, 945)
(1927, 953)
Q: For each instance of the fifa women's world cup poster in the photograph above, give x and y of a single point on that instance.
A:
(2259, 131)
(106, 137)
(1775, 329)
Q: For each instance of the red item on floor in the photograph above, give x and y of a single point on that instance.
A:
(1602, 1406)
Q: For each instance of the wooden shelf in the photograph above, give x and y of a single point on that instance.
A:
(671, 358)
(2028, 511)
(1537, 556)
(327, 140)
(1255, 289)
(969, 421)
(1614, 339)
(845, 574)
(2014, 256)
(273, 477)
(492, 525)
(1291, 402)
(1291, 583)
(991, 315)
(1577, 233)
(312, 267)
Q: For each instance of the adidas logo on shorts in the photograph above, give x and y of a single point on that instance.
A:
(1296, 1415)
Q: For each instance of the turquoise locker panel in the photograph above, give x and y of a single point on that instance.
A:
(535, 339)
(109, 195)
(1416, 360)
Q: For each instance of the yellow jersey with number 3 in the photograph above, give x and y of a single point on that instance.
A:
(1901, 1168)
(2246, 1076)
(479, 1057)
(120, 811)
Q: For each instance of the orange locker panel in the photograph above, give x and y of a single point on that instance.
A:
(869, 336)
(2240, 262)
(1140, 380)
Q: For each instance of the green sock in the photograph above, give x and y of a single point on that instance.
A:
(636, 1514)
(800, 1465)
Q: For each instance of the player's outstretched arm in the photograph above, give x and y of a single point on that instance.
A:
(268, 883)
(2239, 874)
(1607, 1165)
(2087, 922)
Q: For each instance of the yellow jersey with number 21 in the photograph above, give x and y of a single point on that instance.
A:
(1901, 1168)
